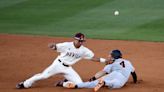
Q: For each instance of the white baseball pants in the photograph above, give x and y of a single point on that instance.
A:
(55, 68)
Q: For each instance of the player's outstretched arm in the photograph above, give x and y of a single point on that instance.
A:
(102, 60)
(134, 75)
(98, 75)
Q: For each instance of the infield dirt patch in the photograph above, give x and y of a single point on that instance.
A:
(23, 56)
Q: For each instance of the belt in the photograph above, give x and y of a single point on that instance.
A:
(63, 63)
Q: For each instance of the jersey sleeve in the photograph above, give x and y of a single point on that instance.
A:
(88, 54)
(107, 68)
(61, 47)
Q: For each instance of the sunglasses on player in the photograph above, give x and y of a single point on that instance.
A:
(81, 40)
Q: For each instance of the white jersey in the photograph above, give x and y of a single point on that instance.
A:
(69, 54)
(120, 65)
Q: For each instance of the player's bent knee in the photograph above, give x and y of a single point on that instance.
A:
(114, 85)
(117, 85)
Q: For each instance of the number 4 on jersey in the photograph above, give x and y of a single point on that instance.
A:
(122, 64)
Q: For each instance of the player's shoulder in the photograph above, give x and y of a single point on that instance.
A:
(85, 48)
(128, 62)
(64, 44)
(68, 42)
(125, 60)
(122, 59)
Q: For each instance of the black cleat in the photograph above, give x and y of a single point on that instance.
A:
(60, 83)
(20, 86)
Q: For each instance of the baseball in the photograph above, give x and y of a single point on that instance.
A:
(116, 12)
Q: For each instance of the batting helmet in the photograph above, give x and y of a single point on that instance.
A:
(116, 54)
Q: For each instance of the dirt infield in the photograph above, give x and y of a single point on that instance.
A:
(24, 56)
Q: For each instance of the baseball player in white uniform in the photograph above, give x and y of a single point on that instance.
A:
(113, 75)
(70, 53)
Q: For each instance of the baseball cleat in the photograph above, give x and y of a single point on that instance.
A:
(20, 85)
(59, 84)
(70, 85)
(99, 85)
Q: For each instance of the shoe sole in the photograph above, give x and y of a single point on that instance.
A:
(18, 86)
(99, 85)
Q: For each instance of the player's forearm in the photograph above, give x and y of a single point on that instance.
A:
(134, 75)
(103, 60)
(95, 59)
(98, 75)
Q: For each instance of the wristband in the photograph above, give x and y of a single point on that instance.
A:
(102, 60)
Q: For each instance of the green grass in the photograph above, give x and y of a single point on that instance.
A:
(138, 19)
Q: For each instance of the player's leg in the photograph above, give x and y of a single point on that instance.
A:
(100, 84)
(60, 83)
(72, 75)
(91, 84)
(113, 83)
(115, 80)
(51, 70)
(88, 84)
(111, 80)
(69, 84)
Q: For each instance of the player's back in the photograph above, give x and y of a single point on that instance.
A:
(123, 66)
